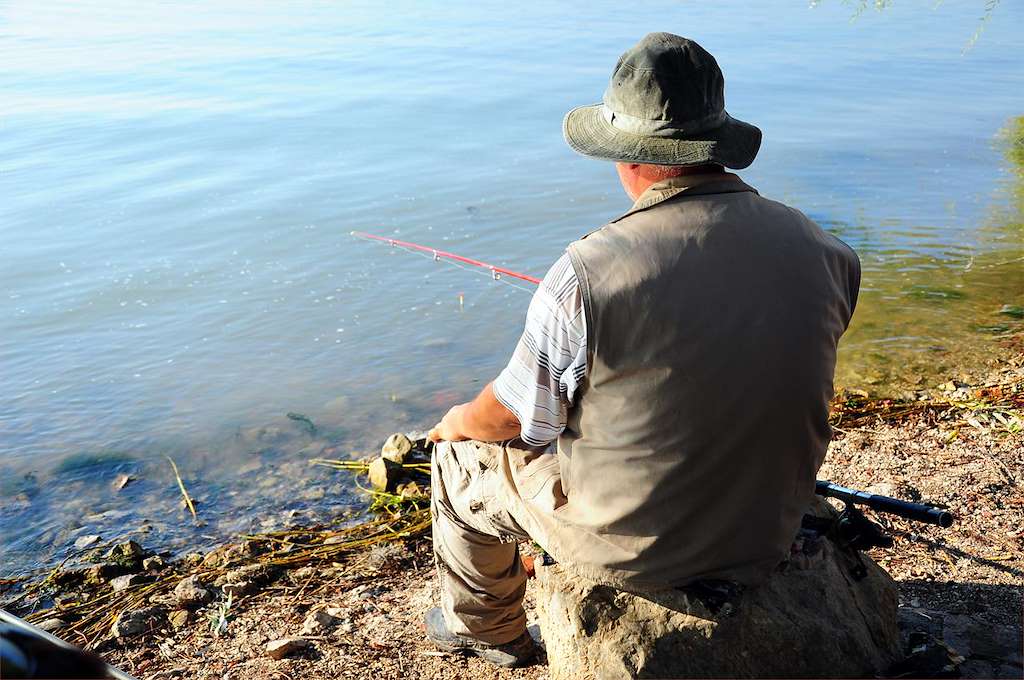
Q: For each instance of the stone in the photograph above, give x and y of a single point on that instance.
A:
(120, 583)
(318, 622)
(256, 573)
(278, 649)
(396, 448)
(238, 589)
(810, 619)
(127, 554)
(135, 622)
(972, 638)
(179, 618)
(51, 625)
(101, 573)
(411, 490)
(192, 559)
(189, 593)
(214, 558)
(384, 473)
(154, 563)
(122, 481)
(85, 541)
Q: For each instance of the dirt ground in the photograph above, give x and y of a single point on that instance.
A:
(963, 584)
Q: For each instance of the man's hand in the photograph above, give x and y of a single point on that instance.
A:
(485, 419)
(450, 427)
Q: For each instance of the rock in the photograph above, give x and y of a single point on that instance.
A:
(239, 588)
(101, 573)
(972, 638)
(384, 473)
(256, 573)
(396, 448)
(809, 620)
(128, 554)
(411, 490)
(122, 481)
(179, 618)
(120, 583)
(214, 558)
(192, 559)
(86, 541)
(136, 622)
(51, 625)
(188, 593)
(154, 563)
(278, 649)
(318, 622)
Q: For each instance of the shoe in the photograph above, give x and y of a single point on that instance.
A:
(515, 654)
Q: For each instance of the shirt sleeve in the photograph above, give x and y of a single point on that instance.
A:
(550, 362)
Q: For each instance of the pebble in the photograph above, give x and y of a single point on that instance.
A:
(127, 553)
(134, 622)
(179, 618)
(188, 593)
(122, 481)
(120, 583)
(278, 649)
(153, 563)
(86, 541)
(383, 473)
(396, 448)
(51, 625)
(239, 588)
(318, 622)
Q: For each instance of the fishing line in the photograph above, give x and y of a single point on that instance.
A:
(495, 273)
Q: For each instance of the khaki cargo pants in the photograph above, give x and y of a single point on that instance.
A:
(477, 525)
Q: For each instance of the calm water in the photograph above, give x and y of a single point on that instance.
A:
(178, 182)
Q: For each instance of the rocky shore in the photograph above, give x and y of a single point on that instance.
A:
(345, 600)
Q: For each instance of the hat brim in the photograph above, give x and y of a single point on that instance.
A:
(733, 144)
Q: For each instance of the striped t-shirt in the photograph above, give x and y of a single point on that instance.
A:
(550, 362)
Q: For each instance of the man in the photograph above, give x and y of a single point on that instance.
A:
(681, 357)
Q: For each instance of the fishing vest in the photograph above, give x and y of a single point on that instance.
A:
(691, 451)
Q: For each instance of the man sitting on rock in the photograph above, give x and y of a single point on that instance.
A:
(680, 358)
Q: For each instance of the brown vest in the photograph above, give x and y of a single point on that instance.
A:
(713, 317)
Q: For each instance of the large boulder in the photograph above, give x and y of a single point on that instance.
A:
(812, 618)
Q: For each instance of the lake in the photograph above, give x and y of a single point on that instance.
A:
(178, 184)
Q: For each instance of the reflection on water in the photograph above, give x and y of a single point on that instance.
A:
(177, 185)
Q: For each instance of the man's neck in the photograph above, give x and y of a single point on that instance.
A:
(641, 182)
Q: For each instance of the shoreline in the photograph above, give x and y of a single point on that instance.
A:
(353, 596)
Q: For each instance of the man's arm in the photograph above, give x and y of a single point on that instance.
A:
(485, 419)
(529, 398)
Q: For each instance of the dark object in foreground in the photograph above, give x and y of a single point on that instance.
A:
(918, 512)
(28, 652)
(853, 530)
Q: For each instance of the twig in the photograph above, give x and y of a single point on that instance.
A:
(181, 485)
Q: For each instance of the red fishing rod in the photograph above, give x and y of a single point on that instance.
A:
(496, 271)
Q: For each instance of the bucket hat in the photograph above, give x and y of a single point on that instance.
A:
(665, 105)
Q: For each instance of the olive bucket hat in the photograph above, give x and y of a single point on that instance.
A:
(665, 105)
